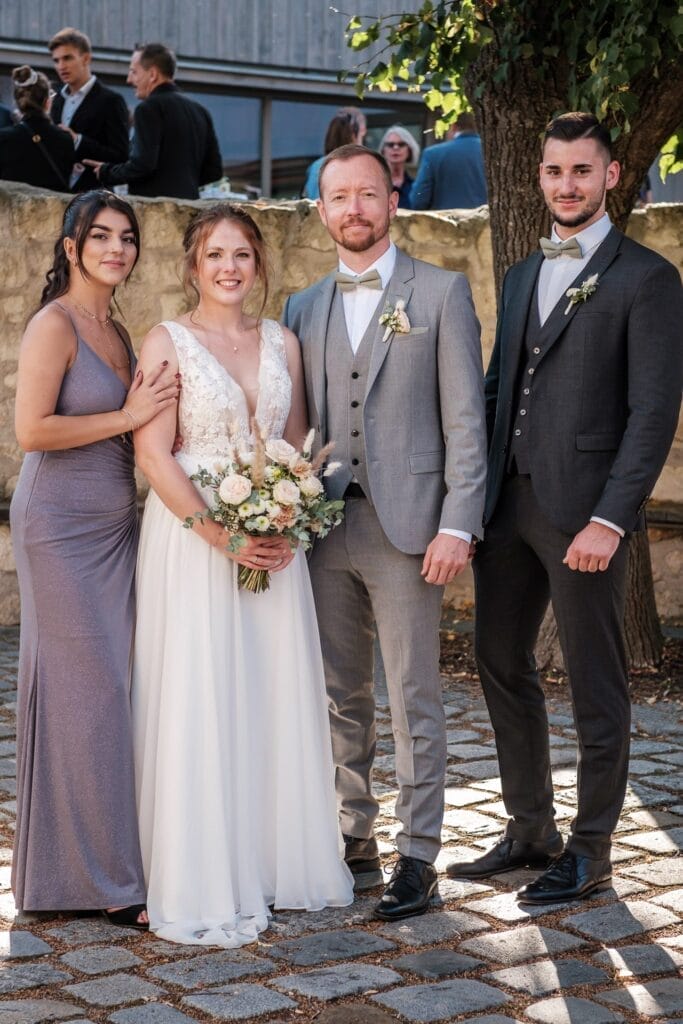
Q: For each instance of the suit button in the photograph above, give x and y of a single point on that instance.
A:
(522, 412)
(355, 375)
(530, 371)
(527, 391)
(518, 432)
(537, 351)
(354, 404)
(354, 433)
(354, 462)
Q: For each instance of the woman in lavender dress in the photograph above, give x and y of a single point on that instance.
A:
(74, 528)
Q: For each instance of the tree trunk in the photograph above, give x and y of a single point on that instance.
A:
(517, 109)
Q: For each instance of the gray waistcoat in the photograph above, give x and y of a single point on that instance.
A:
(346, 378)
(533, 350)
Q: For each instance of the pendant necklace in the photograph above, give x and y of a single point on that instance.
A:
(103, 325)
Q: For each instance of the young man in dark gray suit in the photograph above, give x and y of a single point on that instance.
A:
(583, 393)
(174, 148)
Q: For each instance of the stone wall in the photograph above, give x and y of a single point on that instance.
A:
(300, 252)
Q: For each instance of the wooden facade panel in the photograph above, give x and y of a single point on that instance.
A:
(301, 34)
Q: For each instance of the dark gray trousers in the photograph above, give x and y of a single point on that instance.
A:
(517, 570)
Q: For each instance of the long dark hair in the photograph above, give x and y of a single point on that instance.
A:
(79, 217)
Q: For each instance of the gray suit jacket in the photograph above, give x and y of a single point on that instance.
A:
(423, 412)
(606, 393)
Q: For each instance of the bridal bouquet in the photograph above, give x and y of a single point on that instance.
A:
(267, 490)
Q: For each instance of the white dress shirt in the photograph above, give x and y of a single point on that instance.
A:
(72, 101)
(361, 303)
(556, 277)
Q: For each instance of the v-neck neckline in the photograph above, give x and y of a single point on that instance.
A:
(226, 372)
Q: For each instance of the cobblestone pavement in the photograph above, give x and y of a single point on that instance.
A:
(475, 956)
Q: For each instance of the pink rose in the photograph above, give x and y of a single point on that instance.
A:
(280, 450)
(234, 489)
(286, 493)
(310, 486)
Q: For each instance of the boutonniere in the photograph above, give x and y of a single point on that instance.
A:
(582, 293)
(395, 319)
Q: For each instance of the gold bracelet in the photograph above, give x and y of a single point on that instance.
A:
(133, 424)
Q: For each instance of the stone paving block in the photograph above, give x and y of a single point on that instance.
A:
(113, 990)
(651, 999)
(546, 976)
(488, 785)
(354, 1013)
(654, 818)
(661, 841)
(504, 907)
(471, 822)
(639, 795)
(455, 735)
(644, 748)
(85, 931)
(562, 755)
(436, 963)
(458, 852)
(656, 721)
(288, 924)
(336, 982)
(641, 766)
(431, 928)
(667, 782)
(442, 1001)
(664, 872)
(457, 889)
(100, 959)
(37, 1011)
(644, 959)
(152, 1013)
(461, 796)
(478, 769)
(312, 950)
(521, 943)
(15, 945)
(471, 751)
(23, 976)
(239, 1002)
(675, 757)
(619, 920)
(494, 1018)
(571, 1010)
(213, 969)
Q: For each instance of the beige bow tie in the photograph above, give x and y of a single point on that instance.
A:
(347, 282)
(570, 247)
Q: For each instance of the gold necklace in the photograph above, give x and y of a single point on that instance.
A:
(210, 331)
(103, 325)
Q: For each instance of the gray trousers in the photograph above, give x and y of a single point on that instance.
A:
(517, 570)
(360, 578)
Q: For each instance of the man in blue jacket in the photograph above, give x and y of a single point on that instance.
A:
(451, 175)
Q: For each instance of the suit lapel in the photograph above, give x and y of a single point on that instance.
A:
(399, 287)
(84, 107)
(516, 315)
(320, 316)
(559, 320)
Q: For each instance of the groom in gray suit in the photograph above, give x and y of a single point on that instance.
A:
(403, 403)
(583, 392)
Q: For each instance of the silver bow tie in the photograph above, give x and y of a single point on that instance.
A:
(570, 247)
(347, 282)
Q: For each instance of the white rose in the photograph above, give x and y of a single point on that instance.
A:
(261, 523)
(286, 493)
(280, 450)
(310, 486)
(234, 489)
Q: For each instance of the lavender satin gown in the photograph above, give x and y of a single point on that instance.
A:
(74, 530)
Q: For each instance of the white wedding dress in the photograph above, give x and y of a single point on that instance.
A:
(232, 744)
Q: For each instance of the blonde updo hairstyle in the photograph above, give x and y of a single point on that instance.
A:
(196, 236)
(31, 90)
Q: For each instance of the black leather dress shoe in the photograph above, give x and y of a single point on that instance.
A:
(362, 859)
(507, 855)
(409, 891)
(570, 877)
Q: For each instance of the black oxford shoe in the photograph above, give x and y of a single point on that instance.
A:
(570, 877)
(409, 891)
(507, 855)
(362, 859)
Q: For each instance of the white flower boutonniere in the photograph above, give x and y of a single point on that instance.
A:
(582, 293)
(396, 319)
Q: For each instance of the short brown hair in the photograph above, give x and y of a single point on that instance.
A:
(578, 125)
(349, 153)
(199, 229)
(157, 55)
(70, 37)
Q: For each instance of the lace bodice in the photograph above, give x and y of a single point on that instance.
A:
(213, 408)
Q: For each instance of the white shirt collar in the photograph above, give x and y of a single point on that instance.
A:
(82, 92)
(384, 265)
(591, 236)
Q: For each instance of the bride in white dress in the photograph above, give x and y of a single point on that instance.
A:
(232, 744)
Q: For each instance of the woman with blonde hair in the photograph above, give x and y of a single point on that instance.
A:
(34, 150)
(399, 149)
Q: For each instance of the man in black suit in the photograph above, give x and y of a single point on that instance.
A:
(175, 149)
(94, 116)
(583, 393)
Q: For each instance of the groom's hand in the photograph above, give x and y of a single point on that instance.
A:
(592, 548)
(445, 557)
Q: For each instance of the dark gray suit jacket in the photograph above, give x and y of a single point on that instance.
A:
(102, 122)
(606, 393)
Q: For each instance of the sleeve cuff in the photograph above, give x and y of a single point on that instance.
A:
(467, 537)
(612, 526)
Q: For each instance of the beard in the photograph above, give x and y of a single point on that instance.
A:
(375, 232)
(576, 219)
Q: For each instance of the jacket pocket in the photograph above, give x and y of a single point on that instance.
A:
(598, 442)
(427, 462)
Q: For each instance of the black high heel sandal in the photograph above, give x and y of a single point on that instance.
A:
(127, 917)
